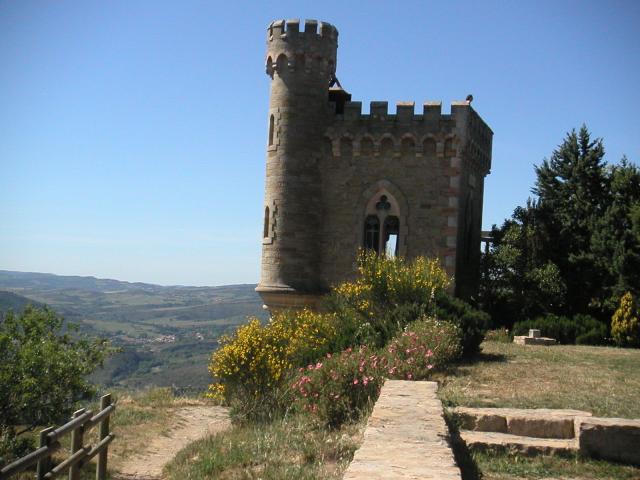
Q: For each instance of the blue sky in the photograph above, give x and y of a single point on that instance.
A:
(132, 134)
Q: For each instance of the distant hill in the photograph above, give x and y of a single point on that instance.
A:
(167, 332)
(14, 302)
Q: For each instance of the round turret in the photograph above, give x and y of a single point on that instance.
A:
(301, 65)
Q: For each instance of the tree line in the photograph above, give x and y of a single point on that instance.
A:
(573, 250)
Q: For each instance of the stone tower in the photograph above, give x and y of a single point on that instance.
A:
(338, 180)
(301, 65)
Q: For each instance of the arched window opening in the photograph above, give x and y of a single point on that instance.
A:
(271, 125)
(407, 147)
(372, 233)
(346, 147)
(429, 147)
(391, 233)
(386, 147)
(382, 225)
(281, 64)
(366, 146)
(449, 150)
(265, 228)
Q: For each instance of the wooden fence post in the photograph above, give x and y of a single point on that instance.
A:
(77, 442)
(101, 467)
(44, 464)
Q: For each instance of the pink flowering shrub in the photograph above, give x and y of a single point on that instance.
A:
(341, 387)
(426, 345)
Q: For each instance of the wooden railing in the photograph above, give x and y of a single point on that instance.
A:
(79, 425)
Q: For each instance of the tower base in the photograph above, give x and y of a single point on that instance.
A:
(286, 298)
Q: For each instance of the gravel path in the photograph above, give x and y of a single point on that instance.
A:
(189, 424)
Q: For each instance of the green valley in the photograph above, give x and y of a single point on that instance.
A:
(165, 333)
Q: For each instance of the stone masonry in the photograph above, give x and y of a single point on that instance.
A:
(406, 437)
(338, 180)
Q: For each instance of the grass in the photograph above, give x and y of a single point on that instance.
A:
(286, 449)
(602, 380)
(513, 467)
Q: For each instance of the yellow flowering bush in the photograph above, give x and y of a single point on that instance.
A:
(252, 363)
(388, 293)
(392, 281)
(625, 323)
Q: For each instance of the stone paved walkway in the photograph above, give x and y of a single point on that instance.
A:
(406, 437)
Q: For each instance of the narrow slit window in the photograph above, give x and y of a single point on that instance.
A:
(271, 121)
(265, 229)
(371, 233)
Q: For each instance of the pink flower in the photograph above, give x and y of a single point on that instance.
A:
(429, 367)
(429, 353)
(318, 365)
(365, 381)
(355, 381)
(409, 376)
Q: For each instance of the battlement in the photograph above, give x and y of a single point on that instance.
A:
(312, 50)
(290, 29)
(459, 133)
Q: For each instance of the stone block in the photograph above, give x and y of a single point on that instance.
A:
(541, 427)
(616, 439)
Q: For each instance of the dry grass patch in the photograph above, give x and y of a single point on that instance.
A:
(602, 380)
(287, 449)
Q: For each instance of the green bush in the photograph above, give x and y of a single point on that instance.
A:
(625, 323)
(581, 329)
(473, 323)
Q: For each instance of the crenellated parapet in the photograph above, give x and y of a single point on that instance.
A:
(461, 133)
(309, 51)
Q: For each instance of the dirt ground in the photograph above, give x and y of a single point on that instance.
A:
(189, 424)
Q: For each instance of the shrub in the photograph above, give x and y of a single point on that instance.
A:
(471, 321)
(388, 294)
(341, 387)
(44, 363)
(252, 365)
(426, 345)
(581, 329)
(625, 323)
(394, 281)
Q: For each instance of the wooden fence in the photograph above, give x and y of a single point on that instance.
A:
(79, 425)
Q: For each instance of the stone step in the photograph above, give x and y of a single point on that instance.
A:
(539, 423)
(528, 446)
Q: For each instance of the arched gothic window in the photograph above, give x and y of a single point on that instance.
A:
(382, 225)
